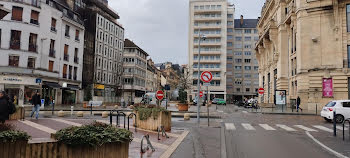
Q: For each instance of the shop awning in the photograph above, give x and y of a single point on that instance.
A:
(52, 84)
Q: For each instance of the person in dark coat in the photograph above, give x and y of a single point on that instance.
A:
(36, 101)
(298, 104)
(4, 107)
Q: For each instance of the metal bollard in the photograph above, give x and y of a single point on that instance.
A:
(110, 117)
(334, 125)
(316, 109)
(91, 109)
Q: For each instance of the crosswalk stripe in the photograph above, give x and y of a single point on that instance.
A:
(341, 128)
(267, 127)
(67, 122)
(285, 127)
(230, 126)
(305, 128)
(323, 128)
(248, 126)
(38, 126)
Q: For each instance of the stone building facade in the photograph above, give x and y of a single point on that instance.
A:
(304, 48)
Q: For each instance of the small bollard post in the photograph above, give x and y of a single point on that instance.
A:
(343, 132)
(53, 107)
(110, 117)
(208, 113)
(91, 109)
(71, 110)
(334, 125)
(316, 109)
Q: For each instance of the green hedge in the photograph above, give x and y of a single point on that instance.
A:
(13, 136)
(145, 112)
(94, 135)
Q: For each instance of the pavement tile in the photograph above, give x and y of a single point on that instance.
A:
(34, 132)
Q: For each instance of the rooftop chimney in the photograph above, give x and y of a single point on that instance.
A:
(241, 20)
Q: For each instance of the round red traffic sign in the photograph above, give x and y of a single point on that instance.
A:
(201, 94)
(207, 76)
(261, 91)
(160, 95)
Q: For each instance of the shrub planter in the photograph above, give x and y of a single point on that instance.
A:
(182, 107)
(152, 118)
(19, 114)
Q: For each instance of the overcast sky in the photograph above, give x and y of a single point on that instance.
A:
(160, 27)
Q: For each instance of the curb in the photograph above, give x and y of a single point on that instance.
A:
(280, 113)
(223, 153)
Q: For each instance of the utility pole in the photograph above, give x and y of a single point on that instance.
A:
(199, 70)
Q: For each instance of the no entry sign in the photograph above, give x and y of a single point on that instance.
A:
(261, 91)
(160, 95)
(207, 76)
(201, 94)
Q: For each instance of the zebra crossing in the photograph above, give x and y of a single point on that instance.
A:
(276, 127)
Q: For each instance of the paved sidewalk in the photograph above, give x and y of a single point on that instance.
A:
(285, 111)
(41, 131)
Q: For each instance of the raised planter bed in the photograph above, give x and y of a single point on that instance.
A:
(19, 114)
(182, 107)
(59, 150)
(151, 123)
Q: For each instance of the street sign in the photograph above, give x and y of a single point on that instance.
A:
(207, 76)
(261, 91)
(201, 94)
(160, 95)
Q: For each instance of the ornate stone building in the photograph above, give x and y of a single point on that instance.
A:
(304, 48)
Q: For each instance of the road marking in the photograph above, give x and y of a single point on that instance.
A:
(245, 112)
(173, 146)
(340, 128)
(219, 120)
(305, 128)
(220, 111)
(248, 126)
(285, 127)
(39, 127)
(67, 122)
(323, 128)
(230, 126)
(267, 127)
(339, 155)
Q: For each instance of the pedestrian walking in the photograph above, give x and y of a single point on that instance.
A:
(298, 104)
(4, 107)
(36, 101)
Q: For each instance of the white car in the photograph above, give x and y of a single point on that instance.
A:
(341, 107)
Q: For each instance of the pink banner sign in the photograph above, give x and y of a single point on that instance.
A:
(327, 87)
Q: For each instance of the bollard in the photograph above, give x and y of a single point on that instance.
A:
(316, 109)
(110, 117)
(334, 125)
(53, 108)
(71, 110)
(91, 109)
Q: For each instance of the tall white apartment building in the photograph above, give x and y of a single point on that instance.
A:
(210, 17)
(41, 45)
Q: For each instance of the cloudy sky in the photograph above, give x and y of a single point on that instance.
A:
(160, 26)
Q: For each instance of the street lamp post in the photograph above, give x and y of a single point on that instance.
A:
(199, 70)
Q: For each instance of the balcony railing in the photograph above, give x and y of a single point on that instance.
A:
(76, 60)
(53, 29)
(32, 21)
(66, 57)
(66, 34)
(32, 48)
(64, 75)
(15, 45)
(35, 3)
(77, 38)
(52, 53)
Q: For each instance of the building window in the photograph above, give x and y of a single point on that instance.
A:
(34, 17)
(51, 66)
(66, 33)
(17, 13)
(31, 63)
(32, 42)
(70, 72)
(229, 44)
(77, 32)
(238, 38)
(52, 52)
(238, 60)
(53, 25)
(248, 31)
(75, 73)
(64, 71)
(247, 89)
(76, 58)
(248, 46)
(229, 15)
(247, 67)
(248, 53)
(238, 31)
(229, 37)
(13, 60)
(238, 89)
(15, 42)
(238, 46)
(229, 30)
(66, 56)
(247, 38)
(247, 60)
(229, 23)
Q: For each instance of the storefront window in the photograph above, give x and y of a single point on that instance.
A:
(28, 93)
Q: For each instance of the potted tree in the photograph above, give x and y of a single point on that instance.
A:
(183, 105)
(184, 86)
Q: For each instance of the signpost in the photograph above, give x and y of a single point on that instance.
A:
(206, 77)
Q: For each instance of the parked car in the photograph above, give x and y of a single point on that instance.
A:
(341, 107)
(215, 100)
(221, 102)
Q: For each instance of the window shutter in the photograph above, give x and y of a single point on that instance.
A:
(17, 13)
(51, 66)
(34, 15)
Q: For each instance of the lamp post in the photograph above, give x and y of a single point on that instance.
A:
(199, 75)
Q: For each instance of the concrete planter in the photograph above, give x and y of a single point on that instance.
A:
(59, 150)
(163, 119)
(19, 114)
(182, 107)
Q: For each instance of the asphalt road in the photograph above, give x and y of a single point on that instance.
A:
(250, 135)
